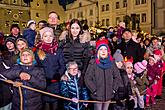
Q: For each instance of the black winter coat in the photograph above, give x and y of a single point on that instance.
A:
(5, 90)
(54, 68)
(75, 51)
(124, 90)
(131, 48)
(31, 99)
(102, 83)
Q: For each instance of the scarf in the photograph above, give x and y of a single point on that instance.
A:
(104, 63)
(48, 47)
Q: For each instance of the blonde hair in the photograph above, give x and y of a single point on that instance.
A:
(98, 54)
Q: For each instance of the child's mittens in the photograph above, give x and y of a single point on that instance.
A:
(149, 78)
(41, 54)
(75, 100)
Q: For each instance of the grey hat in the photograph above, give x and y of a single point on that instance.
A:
(117, 56)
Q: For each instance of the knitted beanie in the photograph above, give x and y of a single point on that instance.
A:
(117, 56)
(30, 22)
(140, 66)
(29, 51)
(46, 29)
(21, 39)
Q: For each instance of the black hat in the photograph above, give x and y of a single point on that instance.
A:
(126, 29)
(10, 39)
(14, 26)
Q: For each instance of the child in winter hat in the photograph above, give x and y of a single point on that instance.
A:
(30, 22)
(141, 82)
(118, 58)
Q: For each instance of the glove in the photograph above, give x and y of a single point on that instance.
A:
(149, 78)
(75, 100)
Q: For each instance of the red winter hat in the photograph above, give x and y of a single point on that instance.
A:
(157, 52)
(103, 42)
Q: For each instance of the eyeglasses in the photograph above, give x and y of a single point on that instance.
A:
(74, 69)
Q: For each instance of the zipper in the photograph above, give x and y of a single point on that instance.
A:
(105, 85)
(78, 107)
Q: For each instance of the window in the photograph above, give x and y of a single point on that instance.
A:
(80, 4)
(138, 17)
(51, 2)
(78, 15)
(103, 22)
(70, 16)
(103, 8)
(117, 20)
(124, 3)
(143, 1)
(107, 22)
(137, 2)
(14, 1)
(81, 14)
(143, 17)
(107, 7)
(164, 17)
(91, 12)
(37, 15)
(117, 5)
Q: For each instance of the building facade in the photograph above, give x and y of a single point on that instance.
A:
(40, 9)
(13, 12)
(158, 16)
(111, 12)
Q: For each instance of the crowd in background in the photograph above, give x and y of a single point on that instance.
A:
(120, 65)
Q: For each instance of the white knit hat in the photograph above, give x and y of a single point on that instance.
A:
(30, 22)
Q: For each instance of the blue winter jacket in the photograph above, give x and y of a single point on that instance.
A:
(30, 35)
(72, 89)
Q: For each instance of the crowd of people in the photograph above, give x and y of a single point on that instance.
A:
(120, 66)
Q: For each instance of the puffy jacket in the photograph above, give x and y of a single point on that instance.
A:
(72, 89)
(102, 83)
(31, 99)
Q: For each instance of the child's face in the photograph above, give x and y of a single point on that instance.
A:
(151, 62)
(103, 52)
(119, 64)
(10, 45)
(129, 69)
(47, 37)
(33, 26)
(26, 58)
(73, 70)
(21, 45)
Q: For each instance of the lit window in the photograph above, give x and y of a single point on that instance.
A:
(117, 5)
(137, 2)
(124, 3)
(144, 17)
(107, 7)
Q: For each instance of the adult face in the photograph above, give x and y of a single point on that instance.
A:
(21, 45)
(119, 64)
(75, 29)
(15, 31)
(73, 70)
(47, 37)
(53, 19)
(10, 45)
(114, 39)
(26, 58)
(127, 35)
(103, 52)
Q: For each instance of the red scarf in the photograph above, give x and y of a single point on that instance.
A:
(48, 47)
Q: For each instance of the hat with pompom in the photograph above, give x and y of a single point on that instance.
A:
(140, 66)
(103, 42)
(117, 56)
